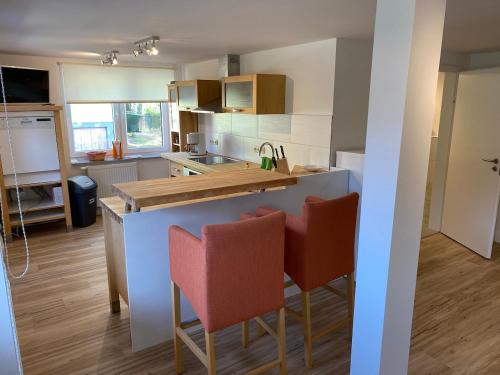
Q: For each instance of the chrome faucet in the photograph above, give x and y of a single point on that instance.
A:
(266, 144)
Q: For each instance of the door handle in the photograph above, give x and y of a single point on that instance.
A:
(494, 161)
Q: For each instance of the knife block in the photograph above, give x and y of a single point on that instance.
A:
(282, 166)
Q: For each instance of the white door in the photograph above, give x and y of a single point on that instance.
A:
(473, 180)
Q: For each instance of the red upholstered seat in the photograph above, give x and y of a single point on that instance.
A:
(234, 272)
(319, 244)
(319, 248)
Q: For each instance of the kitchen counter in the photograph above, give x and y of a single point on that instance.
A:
(137, 243)
(184, 158)
(139, 194)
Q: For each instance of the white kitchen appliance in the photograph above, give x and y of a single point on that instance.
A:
(33, 142)
(196, 144)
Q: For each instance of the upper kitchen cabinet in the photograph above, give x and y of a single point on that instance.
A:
(172, 93)
(254, 94)
(196, 93)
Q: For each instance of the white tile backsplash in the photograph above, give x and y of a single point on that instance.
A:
(244, 125)
(232, 145)
(251, 149)
(221, 123)
(306, 138)
(275, 127)
(311, 130)
(319, 156)
(296, 154)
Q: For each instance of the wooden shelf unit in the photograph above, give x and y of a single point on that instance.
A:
(41, 210)
(32, 205)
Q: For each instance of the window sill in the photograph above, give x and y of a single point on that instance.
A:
(83, 161)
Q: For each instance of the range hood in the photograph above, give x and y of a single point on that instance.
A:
(229, 65)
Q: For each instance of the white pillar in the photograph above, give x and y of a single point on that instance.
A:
(406, 53)
(10, 361)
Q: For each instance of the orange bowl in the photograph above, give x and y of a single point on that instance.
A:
(96, 155)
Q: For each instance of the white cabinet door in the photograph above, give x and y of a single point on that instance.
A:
(33, 144)
(472, 184)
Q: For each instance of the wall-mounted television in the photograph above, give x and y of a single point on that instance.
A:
(23, 85)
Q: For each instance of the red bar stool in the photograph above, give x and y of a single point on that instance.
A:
(319, 248)
(233, 274)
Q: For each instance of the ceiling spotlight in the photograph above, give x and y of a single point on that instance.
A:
(110, 58)
(149, 46)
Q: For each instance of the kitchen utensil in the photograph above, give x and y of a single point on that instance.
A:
(282, 152)
(277, 155)
(266, 163)
(282, 166)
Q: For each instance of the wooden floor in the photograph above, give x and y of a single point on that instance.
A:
(65, 327)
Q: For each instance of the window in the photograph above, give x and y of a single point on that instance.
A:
(144, 125)
(93, 126)
(139, 125)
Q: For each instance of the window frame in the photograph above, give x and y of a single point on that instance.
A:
(120, 129)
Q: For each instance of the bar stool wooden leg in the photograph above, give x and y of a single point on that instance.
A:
(176, 313)
(282, 341)
(306, 313)
(350, 299)
(210, 347)
(244, 334)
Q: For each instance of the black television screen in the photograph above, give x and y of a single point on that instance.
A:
(25, 85)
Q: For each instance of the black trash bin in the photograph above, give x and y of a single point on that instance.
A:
(83, 200)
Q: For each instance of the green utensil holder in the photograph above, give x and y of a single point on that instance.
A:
(266, 163)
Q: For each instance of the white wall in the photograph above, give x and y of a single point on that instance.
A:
(208, 69)
(310, 71)
(304, 131)
(313, 72)
(352, 87)
(309, 68)
(56, 95)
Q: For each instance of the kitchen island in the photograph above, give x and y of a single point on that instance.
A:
(136, 226)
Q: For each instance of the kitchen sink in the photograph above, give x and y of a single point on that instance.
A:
(213, 159)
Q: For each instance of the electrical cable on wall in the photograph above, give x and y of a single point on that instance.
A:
(6, 209)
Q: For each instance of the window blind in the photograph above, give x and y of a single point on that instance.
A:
(96, 83)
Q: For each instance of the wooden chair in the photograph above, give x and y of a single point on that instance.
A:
(319, 248)
(232, 274)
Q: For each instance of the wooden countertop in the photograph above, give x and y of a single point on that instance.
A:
(139, 194)
(183, 158)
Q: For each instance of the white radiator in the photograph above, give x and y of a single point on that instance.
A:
(105, 175)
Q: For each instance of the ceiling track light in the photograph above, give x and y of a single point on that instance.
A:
(149, 46)
(110, 58)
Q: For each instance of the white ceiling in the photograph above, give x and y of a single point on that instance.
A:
(194, 30)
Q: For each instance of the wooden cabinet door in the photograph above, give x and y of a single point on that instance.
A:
(187, 95)
(172, 93)
(239, 94)
(254, 94)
